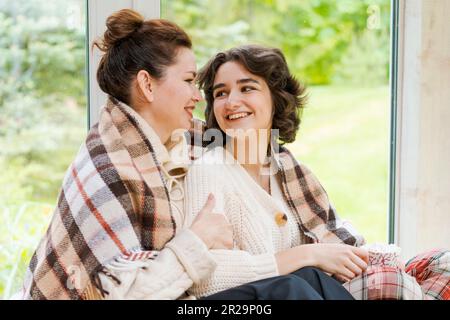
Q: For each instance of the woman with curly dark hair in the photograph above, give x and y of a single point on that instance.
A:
(276, 207)
(288, 239)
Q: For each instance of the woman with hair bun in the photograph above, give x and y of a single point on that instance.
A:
(118, 230)
(275, 206)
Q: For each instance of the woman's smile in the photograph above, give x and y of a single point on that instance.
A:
(238, 116)
(189, 111)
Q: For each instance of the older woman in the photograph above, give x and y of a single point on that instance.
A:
(118, 230)
(281, 217)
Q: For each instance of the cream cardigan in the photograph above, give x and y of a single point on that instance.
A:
(184, 265)
(252, 213)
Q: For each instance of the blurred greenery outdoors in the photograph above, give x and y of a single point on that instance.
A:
(340, 49)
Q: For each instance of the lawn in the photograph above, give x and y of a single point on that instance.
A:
(343, 139)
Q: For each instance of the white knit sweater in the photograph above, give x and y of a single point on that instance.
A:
(250, 210)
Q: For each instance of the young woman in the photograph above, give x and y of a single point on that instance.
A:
(117, 229)
(281, 217)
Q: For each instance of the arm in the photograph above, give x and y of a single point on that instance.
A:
(236, 267)
(341, 260)
(185, 260)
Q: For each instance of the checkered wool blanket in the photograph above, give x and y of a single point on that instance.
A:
(113, 203)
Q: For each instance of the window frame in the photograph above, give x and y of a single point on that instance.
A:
(393, 79)
(98, 10)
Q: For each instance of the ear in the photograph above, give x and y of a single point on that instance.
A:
(146, 85)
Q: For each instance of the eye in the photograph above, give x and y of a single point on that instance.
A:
(247, 89)
(190, 81)
(219, 94)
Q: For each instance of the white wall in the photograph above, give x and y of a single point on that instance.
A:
(423, 136)
(98, 12)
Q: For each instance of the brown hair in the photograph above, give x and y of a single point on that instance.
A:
(288, 95)
(131, 44)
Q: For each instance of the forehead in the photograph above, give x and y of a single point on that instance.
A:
(185, 60)
(232, 71)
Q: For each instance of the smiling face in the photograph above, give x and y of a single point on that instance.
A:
(175, 95)
(242, 100)
(167, 103)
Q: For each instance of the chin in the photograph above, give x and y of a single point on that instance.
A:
(187, 125)
(244, 128)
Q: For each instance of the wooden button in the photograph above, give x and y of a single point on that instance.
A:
(280, 219)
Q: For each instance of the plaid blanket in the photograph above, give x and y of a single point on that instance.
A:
(425, 277)
(113, 203)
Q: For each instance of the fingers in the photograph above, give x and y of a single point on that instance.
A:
(227, 232)
(353, 268)
(209, 204)
(341, 278)
(225, 244)
(346, 272)
(362, 253)
(223, 238)
(362, 264)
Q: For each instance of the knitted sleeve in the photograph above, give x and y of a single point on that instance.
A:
(184, 260)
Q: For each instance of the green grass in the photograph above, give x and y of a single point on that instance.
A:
(343, 139)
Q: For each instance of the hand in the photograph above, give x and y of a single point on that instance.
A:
(213, 228)
(343, 261)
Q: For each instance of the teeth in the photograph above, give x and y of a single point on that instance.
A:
(238, 115)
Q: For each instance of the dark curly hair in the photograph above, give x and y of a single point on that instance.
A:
(288, 94)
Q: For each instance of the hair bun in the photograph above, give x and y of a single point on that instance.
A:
(120, 25)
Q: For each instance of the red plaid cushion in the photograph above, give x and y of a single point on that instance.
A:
(384, 282)
(432, 271)
(426, 277)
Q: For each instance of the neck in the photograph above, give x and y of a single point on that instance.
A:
(252, 157)
(163, 132)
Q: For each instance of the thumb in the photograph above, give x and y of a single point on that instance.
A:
(209, 204)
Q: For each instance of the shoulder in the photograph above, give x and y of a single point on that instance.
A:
(295, 172)
(289, 163)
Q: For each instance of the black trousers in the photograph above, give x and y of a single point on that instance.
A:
(304, 284)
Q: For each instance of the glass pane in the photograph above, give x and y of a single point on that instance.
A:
(42, 120)
(340, 49)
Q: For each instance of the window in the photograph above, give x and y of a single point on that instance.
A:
(43, 120)
(341, 50)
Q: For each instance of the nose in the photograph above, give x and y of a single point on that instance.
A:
(232, 101)
(197, 96)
